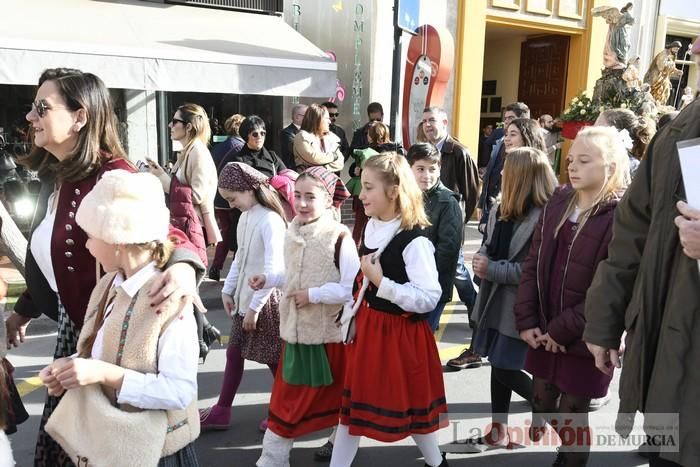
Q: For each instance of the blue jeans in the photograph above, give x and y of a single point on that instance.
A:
(464, 285)
(434, 316)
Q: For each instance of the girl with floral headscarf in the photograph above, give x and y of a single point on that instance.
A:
(255, 313)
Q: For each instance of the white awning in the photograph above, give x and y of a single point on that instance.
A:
(141, 45)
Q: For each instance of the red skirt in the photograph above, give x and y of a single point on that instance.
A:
(393, 384)
(296, 410)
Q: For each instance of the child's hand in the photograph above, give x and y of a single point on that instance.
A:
(372, 269)
(550, 345)
(257, 282)
(530, 337)
(229, 304)
(300, 297)
(75, 372)
(480, 264)
(250, 321)
(358, 171)
(49, 380)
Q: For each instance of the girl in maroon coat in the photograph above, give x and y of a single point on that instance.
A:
(569, 241)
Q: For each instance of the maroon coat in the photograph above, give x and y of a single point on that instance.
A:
(74, 266)
(564, 324)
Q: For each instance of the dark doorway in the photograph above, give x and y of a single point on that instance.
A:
(543, 68)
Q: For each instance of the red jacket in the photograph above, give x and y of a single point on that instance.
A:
(565, 323)
(74, 267)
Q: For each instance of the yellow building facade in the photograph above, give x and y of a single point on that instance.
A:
(489, 45)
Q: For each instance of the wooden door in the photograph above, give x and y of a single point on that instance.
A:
(543, 68)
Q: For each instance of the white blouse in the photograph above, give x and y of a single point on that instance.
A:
(422, 291)
(272, 230)
(331, 292)
(40, 245)
(175, 385)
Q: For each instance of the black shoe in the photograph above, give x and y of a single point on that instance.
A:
(215, 274)
(210, 334)
(560, 460)
(443, 463)
(324, 453)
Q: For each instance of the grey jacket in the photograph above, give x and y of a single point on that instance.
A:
(496, 299)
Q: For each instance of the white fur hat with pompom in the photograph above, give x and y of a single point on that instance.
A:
(125, 208)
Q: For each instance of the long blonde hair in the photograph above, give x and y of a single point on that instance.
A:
(393, 169)
(617, 175)
(196, 116)
(528, 182)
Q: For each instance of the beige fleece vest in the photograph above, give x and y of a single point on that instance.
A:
(309, 262)
(140, 350)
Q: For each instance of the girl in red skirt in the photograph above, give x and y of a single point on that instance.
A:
(321, 263)
(393, 382)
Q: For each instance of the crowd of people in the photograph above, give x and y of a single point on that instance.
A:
(563, 272)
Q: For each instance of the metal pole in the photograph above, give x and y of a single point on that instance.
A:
(395, 74)
(678, 89)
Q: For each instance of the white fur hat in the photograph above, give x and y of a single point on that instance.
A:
(125, 208)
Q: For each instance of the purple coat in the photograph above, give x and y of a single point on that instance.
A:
(566, 322)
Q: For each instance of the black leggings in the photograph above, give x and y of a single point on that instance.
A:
(549, 400)
(503, 384)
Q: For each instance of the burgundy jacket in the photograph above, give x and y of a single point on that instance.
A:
(565, 323)
(184, 217)
(74, 267)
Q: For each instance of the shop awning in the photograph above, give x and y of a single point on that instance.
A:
(144, 45)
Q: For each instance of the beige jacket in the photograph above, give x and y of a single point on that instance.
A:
(308, 151)
(309, 257)
(197, 170)
(140, 350)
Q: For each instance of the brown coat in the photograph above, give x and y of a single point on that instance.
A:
(648, 287)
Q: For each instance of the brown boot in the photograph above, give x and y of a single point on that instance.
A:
(467, 359)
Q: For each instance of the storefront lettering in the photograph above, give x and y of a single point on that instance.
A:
(296, 17)
(358, 29)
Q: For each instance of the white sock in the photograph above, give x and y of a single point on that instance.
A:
(344, 448)
(429, 447)
(275, 452)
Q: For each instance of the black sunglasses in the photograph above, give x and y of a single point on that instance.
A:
(175, 121)
(333, 115)
(42, 107)
(255, 134)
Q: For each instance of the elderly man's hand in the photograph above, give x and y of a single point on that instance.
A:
(689, 229)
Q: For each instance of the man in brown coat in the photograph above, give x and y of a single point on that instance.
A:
(650, 287)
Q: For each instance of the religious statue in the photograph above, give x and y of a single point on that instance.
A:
(631, 75)
(617, 43)
(687, 97)
(661, 71)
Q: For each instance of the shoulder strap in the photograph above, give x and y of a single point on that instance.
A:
(338, 246)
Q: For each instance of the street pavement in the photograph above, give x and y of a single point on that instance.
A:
(467, 393)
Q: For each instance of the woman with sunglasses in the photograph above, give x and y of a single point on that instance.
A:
(315, 144)
(194, 169)
(75, 142)
(253, 152)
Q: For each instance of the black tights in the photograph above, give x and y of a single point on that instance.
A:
(549, 400)
(503, 384)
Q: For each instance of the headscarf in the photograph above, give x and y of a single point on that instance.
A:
(237, 176)
(333, 184)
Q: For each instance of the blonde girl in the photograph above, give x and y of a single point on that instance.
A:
(570, 240)
(393, 382)
(527, 184)
(255, 331)
(321, 263)
(141, 358)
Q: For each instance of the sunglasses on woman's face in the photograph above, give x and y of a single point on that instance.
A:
(258, 134)
(41, 107)
(333, 114)
(175, 121)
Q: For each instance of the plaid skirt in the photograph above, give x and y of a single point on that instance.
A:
(48, 452)
(185, 457)
(263, 345)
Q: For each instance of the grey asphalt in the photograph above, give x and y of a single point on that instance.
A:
(467, 393)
